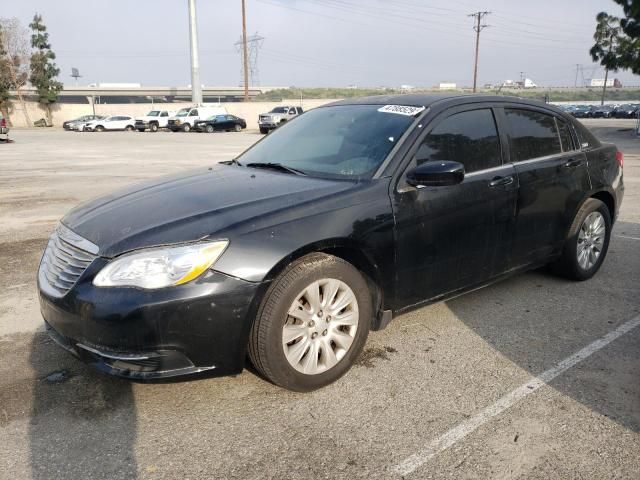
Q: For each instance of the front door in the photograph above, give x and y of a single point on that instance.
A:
(456, 236)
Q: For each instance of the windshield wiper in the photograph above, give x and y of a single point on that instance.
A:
(233, 161)
(275, 166)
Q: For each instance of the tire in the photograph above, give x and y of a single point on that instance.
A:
(186, 127)
(99, 128)
(209, 129)
(129, 128)
(237, 128)
(579, 240)
(153, 127)
(317, 332)
(264, 131)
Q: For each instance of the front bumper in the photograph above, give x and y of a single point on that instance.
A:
(148, 334)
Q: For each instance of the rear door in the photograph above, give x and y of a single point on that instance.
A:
(452, 237)
(552, 174)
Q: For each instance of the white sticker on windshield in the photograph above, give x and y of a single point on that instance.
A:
(401, 110)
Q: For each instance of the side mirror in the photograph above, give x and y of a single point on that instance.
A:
(436, 173)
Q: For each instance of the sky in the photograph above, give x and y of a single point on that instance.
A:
(324, 43)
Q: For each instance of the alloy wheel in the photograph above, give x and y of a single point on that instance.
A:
(591, 240)
(320, 327)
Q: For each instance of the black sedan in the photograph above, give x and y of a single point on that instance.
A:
(626, 111)
(582, 111)
(324, 230)
(221, 123)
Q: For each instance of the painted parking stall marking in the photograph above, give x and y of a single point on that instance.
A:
(457, 433)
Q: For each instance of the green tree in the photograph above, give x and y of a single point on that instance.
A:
(606, 49)
(5, 84)
(628, 57)
(44, 72)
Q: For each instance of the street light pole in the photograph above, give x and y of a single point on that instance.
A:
(196, 86)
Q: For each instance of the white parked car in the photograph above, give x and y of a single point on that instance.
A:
(112, 122)
(153, 120)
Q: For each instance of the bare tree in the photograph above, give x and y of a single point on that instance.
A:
(15, 57)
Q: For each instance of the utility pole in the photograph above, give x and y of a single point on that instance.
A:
(196, 86)
(245, 56)
(478, 28)
(577, 70)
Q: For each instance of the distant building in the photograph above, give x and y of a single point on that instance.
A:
(407, 88)
(599, 82)
(447, 86)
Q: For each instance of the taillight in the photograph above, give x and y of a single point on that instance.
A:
(620, 158)
(3, 122)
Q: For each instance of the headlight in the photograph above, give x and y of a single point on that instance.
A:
(160, 267)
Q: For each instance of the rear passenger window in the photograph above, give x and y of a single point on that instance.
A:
(533, 134)
(565, 136)
(470, 138)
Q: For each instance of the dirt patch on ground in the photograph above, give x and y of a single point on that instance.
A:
(19, 262)
(370, 354)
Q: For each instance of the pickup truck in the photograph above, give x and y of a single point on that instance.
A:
(153, 120)
(276, 117)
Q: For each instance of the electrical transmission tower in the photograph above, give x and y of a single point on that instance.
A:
(254, 44)
(478, 27)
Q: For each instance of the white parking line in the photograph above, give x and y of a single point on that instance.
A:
(413, 462)
(627, 237)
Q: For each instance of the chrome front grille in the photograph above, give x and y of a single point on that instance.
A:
(66, 257)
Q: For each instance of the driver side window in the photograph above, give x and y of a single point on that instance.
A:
(470, 138)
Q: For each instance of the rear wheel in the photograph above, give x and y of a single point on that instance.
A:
(312, 324)
(129, 128)
(587, 243)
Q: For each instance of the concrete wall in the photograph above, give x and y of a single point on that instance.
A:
(61, 112)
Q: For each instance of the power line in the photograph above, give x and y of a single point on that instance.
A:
(478, 28)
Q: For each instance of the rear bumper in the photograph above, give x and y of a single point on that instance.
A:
(133, 333)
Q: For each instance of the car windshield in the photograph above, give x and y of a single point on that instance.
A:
(153, 113)
(183, 112)
(344, 141)
(279, 110)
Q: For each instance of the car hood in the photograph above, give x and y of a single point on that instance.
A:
(195, 205)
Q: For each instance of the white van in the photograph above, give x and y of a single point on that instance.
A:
(186, 118)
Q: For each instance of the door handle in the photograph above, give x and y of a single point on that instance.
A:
(574, 162)
(501, 181)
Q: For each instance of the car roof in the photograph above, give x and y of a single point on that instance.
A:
(428, 100)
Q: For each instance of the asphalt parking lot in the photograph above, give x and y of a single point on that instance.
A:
(482, 386)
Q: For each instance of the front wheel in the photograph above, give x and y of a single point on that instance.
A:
(264, 130)
(186, 127)
(237, 128)
(587, 243)
(312, 323)
(209, 129)
(153, 127)
(99, 128)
